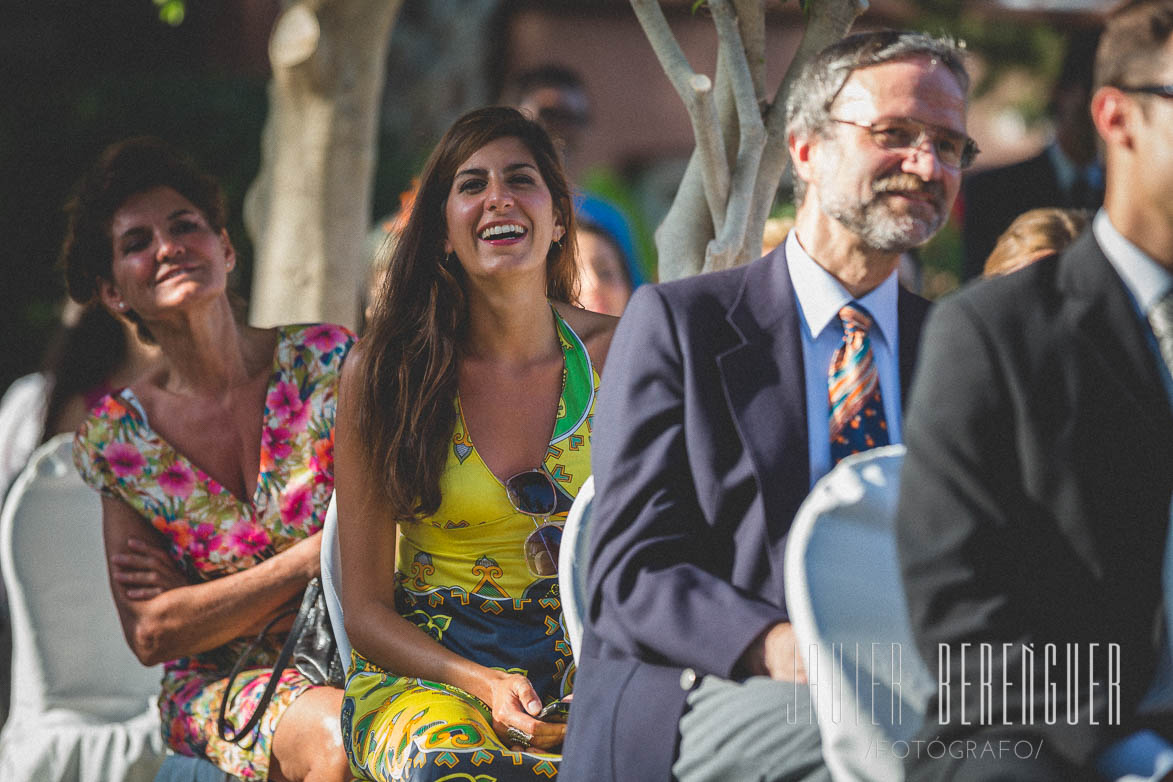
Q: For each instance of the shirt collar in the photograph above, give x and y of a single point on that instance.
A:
(1146, 280)
(1066, 171)
(821, 296)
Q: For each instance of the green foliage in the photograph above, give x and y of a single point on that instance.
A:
(171, 12)
(1005, 44)
(605, 183)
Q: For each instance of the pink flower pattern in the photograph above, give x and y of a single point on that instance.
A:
(177, 480)
(248, 538)
(296, 505)
(124, 459)
(325, 336)
(118, 454)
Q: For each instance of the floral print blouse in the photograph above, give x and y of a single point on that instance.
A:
(210, 531)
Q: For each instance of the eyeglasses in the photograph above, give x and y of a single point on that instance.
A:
(955, 150)
(532, 492)
(1160, 90)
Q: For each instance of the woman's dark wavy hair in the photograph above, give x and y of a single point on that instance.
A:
(125, 169)
(407, 410)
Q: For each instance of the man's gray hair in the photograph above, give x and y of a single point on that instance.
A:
(808, 105)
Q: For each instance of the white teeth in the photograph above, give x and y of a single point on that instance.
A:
(500, 230)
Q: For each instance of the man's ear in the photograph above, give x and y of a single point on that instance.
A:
(111, 297)
(1113, 114)
(802, 151)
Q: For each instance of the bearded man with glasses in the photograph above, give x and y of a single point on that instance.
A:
(1034, 520)
(728, 396)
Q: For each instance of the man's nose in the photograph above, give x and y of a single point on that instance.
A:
(923, 161)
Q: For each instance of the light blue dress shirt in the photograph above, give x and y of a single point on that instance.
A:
(820, 297)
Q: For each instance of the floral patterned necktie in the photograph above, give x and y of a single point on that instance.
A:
(856, 407)
(1161, 319)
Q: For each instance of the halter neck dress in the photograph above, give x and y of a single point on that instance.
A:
(461, 577)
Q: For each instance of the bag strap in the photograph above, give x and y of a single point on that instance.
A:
(224, 725)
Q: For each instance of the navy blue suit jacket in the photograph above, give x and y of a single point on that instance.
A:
(700, 461)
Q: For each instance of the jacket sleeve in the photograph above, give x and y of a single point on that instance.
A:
(655, 582)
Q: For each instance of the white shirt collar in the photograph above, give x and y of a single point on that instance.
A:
(821, 295)
(1146, 280)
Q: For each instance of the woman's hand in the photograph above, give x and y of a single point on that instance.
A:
(146, 571)
(516, 705)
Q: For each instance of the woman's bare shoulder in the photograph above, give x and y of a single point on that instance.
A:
(593, 328)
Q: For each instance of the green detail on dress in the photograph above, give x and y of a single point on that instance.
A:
(433, 625)
(578, 392)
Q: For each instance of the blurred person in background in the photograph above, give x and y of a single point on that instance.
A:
(603, 272)
(91, 354)
(556, 97)
(1033, 236)
(1067, 173)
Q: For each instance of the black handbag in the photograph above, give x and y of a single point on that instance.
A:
(310, 646)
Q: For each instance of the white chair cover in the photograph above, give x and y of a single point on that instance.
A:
(83, 707)
(332, 578)
(572, 563)
(846, 601)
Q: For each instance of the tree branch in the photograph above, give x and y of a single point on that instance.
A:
(696, 91)
(829, 21)
(751, 22)
(729, 245)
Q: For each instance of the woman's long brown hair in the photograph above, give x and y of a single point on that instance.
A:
(407, 410)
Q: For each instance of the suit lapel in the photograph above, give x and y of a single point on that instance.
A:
(911, 311)
(764, 385)
(1102, 318)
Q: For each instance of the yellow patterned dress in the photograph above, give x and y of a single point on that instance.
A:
(461, 577)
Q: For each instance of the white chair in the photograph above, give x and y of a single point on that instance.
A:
(332, 578)
(83, 707)
(572, 563)
(846, 601)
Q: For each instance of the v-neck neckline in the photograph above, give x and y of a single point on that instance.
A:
(274, 376)
(558, 324)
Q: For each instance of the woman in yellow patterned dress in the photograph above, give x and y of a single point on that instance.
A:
(463, 432)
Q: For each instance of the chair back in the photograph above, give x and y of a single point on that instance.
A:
(68, 650)
(572, 563)
(846, 601)
(332, 578)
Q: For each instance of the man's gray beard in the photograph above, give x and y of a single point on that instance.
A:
(876, 225)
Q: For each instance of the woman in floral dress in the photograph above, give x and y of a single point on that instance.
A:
(215, 470)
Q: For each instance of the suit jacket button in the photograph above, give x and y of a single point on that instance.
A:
(687, 679)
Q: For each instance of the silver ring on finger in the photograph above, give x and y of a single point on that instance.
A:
(518, 735)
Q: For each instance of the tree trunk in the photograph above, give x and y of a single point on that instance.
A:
(308, 211)
(720, 210)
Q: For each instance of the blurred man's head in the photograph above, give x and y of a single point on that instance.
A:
(556, 97)
(1133, 112)
(1071, 97)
